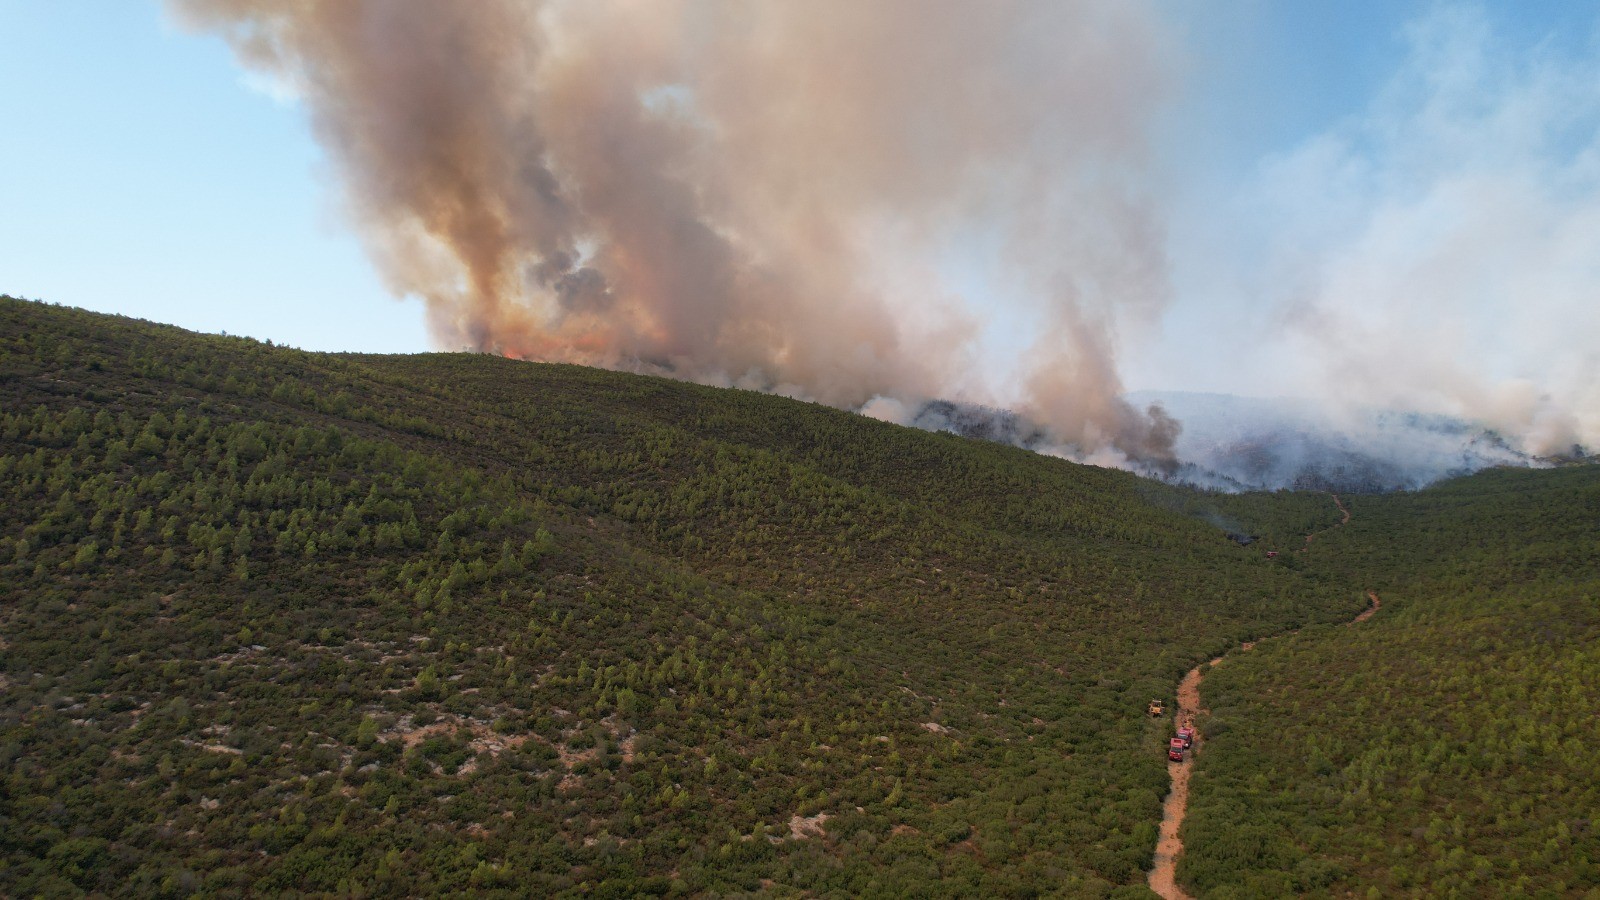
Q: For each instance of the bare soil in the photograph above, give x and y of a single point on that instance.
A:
(1163, 875)
(802, 827)
(1369, 611)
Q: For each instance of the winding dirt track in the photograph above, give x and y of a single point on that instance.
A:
(1343, 521)
(1163, 873)
(1366, 614)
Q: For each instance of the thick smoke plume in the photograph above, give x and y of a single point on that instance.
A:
(768, 194)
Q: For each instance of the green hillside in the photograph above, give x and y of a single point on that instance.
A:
(418, 623)
(450, 623)
(1445, 748)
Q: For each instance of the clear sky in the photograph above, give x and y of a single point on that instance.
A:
(1324, 163)
(140, 174)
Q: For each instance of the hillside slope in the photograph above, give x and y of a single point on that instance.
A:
(1444, 748)
(280, 620)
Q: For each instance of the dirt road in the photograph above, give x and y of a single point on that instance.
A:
(1169, 846)
(1163, 875)
(1345, 520)
(1367, 613)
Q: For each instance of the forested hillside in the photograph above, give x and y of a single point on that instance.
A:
(1445, 748)
(280, 620)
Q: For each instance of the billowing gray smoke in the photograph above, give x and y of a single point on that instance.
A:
(1003, 426)
(1242, 443)
(1232, 443)
(756, 192)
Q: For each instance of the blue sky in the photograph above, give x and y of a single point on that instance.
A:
(142, 176)
(1308, 149)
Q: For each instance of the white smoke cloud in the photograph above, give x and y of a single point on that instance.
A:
(888, 409)
(1442, 251)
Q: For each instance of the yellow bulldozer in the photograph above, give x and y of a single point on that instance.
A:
(1156, 707)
